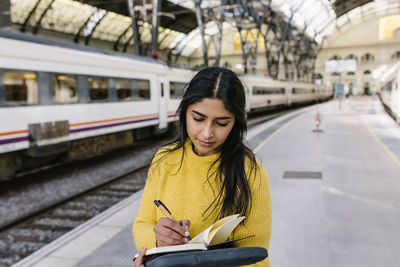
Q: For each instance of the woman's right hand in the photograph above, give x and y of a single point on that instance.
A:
(170, 232)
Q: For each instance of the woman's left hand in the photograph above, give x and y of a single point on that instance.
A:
(139, 260)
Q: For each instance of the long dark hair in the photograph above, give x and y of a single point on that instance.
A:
(234, 196)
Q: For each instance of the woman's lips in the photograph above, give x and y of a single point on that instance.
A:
(206, 144)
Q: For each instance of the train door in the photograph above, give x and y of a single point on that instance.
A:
(163, 103)
(288, 93)
(248, 96)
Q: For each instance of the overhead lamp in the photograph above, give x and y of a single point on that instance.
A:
(61, 77)
(30, 76)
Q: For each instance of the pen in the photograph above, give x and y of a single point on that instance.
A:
(166, 212)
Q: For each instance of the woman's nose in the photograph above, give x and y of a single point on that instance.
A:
(208, 131)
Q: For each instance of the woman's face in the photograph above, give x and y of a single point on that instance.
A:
(208, 124)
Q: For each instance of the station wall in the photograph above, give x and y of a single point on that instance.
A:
(358, 40)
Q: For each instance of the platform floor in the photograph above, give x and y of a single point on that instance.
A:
(348, 217)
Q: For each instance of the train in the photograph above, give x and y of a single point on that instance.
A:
(61, 100)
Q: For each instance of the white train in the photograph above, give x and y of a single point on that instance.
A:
(59, 98)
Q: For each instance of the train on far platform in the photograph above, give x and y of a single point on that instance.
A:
(64, 101)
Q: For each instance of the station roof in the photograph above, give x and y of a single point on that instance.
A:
(110, 21)
(175, 17)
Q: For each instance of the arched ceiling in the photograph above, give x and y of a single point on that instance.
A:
(110, 21)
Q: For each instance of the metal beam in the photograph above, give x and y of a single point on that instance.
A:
(135, 28)
(91, 26)
(259, 18)
(23, 27)
(219, 34)
(125, 48)
(116, 44)
(37, 26)
(163, 38)
(83, 26)
(245, 16)
(197, 5)
(178, 54)
(154, 26)
(284, 31)
(269, 23)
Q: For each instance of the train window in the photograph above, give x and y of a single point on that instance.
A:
(299, 91)
(176, 89)
(20, 87)
(141, 89)
(267, 91)
(65, 89)
(98, 88)
(366, 58)
(124, 89)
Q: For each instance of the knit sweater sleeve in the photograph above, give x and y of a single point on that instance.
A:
(259, 220)
(145, 221)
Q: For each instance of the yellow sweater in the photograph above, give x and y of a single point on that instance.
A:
(187, 194)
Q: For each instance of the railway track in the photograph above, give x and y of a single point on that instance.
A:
(30, 235)
(33, 231)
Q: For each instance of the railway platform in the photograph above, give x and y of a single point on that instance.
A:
(335, 194)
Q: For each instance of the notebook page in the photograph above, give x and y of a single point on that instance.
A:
(222, 233)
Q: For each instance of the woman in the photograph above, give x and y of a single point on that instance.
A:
(208, 172)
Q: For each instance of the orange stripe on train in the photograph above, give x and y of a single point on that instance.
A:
(88, 123)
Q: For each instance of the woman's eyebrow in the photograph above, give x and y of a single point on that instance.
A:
(218, 118)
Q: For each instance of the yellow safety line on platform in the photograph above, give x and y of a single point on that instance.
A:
(381, 144)
(274, 133)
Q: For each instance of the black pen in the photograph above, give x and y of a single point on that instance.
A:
(166, 212)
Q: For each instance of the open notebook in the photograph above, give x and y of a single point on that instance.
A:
(214, 235)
